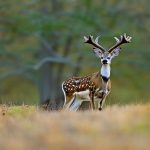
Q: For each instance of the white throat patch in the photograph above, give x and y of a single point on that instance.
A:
(105, 71)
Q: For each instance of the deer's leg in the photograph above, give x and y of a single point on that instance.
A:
(104, 95)
(92, 100)
(70, 101)
(62, 86)
(75, 106)
(101, 104)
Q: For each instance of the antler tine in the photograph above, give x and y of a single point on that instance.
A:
(93, 42)
(121, 40)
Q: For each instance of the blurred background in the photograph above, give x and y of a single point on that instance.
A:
(41, 44)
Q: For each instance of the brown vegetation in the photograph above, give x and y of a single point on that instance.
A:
(116, 127)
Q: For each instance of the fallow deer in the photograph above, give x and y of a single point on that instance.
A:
(97, 85)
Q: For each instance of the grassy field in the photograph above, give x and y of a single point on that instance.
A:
(115, 128)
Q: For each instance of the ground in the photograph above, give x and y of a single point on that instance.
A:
(116, 127)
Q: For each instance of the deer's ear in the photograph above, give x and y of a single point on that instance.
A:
(97, 51)
(116, 52)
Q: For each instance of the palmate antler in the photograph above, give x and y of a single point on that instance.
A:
(93, 42)
(121, 40)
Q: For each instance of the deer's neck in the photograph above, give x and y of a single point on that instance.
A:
(105, 71)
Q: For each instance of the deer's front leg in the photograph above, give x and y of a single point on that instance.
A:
(102, 103)
(92, 100)
(104, 95)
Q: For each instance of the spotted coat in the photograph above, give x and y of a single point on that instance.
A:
(91, 82)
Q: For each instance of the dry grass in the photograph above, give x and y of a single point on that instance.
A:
(115, 128)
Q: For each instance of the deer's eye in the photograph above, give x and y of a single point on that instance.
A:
(108, 57)
(101, 57)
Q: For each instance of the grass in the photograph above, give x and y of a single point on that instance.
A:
(116, 127)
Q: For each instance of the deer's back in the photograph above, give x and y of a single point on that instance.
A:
(78, 84)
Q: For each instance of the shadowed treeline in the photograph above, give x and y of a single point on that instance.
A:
(41, 44)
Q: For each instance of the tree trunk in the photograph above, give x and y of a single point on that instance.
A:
(59, 75)
(46, 85)
(46, 81)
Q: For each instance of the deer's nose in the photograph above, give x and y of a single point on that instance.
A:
(105, 61)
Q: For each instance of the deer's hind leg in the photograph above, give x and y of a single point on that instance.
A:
(69, 101)
(74, 104)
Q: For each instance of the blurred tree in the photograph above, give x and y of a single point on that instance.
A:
(41, 41)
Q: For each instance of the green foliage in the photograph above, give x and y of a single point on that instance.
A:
(29, 26)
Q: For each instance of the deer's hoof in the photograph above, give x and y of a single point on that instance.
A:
(100, 109)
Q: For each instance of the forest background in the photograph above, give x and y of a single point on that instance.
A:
(41, 44)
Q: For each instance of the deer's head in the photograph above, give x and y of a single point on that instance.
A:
(107, 55)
